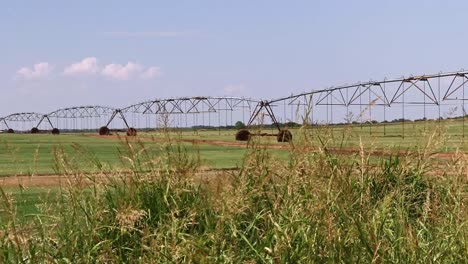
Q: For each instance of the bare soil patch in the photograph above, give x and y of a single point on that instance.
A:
(340, 151)
(204, 175)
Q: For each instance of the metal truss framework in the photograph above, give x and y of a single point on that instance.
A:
(22, 117)
(2, 121)
(171, 106)
(26, 117)
(81, 112)
(190, 105)
(78, 112)
(433, 90)
(347, 95)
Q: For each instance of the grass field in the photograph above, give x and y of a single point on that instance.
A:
(23, 154)
(153, 199)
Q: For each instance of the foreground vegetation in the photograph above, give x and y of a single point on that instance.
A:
(310, 207)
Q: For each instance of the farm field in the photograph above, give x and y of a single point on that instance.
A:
(27, 154)
(23, 154)
(234, 132)
(117, 199)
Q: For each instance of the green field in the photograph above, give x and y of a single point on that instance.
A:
(26, 154)
(150, 199)
(381, 136)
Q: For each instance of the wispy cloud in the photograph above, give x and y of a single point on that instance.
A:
(38, 71)
(122, 72)
(151, 34)
(89, 66)
(151, 73)
(85, 66)
(130, 71)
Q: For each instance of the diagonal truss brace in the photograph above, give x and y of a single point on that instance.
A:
(45, 117)
(4, 122)
(120, 114)
(258, 109)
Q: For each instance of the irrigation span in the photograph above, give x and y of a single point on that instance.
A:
(402, 100)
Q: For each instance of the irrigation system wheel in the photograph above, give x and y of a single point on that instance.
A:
(10, 131)
(243, 135)
(131, 132)
(34, 130)
(104, 131)
(284, 136)
(55, 131)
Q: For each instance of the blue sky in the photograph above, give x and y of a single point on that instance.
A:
(63, 53)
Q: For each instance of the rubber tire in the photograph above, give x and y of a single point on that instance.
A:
(284, 136)
(104, 131)
(131, 132)
(243, 135)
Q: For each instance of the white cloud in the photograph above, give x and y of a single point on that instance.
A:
(122, 72)
(234, 89)
(130, 71)
(38, 71)
(151, 73)
(86, 66)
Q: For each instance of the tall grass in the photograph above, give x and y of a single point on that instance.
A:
(314, 207)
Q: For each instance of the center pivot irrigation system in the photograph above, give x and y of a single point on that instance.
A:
(198, 112)
(400, 100)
